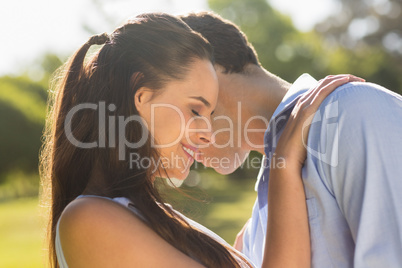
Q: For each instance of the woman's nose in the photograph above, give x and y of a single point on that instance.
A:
(206, 136)
(203, 131)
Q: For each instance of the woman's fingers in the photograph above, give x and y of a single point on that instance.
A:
(321, 93)
(326, 86)
(298, 126)
(317, 96)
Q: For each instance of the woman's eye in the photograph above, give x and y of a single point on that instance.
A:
(195, 113)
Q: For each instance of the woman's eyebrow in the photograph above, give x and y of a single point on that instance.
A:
(202, 99)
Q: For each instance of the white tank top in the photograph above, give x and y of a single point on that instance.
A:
(126, 202)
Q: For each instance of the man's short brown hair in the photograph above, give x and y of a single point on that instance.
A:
(231, 48)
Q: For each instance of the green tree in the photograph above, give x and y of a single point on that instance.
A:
(282, 49)
(367, 35)
(22, 117)
(287, 52)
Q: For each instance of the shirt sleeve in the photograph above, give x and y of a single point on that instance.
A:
(362, 168)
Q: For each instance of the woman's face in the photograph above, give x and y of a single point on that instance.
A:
(179, 117)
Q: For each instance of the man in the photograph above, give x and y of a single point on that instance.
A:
(353, 172)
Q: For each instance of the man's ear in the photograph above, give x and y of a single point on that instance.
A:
(142, 97)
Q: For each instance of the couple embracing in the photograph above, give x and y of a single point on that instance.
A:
(333, 202)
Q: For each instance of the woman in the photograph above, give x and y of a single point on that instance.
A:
(147, 95)
(157, 67)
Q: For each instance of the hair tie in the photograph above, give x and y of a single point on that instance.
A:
(98, 39)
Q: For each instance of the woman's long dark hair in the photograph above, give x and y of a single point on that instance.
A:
(148, 51)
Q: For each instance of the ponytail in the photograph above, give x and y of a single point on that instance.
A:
(98, 39)
(76, 64)
(57, 153)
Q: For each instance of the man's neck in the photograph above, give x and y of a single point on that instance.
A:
(260, 93)
(266, 91)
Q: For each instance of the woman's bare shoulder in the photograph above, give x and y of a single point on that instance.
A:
(102, 233)
(91, 210)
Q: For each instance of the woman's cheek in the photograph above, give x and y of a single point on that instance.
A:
(174, 128)
(190, 127)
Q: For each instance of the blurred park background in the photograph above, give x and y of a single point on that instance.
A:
(321, 37)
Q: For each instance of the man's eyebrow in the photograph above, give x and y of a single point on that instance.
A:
(202, 100)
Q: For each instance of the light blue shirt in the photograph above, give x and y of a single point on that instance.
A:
(352, 177)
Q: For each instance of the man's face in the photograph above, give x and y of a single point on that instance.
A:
(231, 147)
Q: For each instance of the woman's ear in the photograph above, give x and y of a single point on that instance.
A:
(141, 98)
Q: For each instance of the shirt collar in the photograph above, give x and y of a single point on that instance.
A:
(300, 86)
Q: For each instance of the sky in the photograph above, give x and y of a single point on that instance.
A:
(30, 28)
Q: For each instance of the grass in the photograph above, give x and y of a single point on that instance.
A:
(18, 184)
(21, 234)
(226, 205)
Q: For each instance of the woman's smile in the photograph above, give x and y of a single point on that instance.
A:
(190, 151)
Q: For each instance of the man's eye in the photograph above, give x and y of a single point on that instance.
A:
(195, 113)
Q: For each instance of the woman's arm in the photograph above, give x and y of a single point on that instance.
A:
(288, 240)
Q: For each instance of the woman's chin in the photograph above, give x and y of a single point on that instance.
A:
(180, 175)
(177, 177)
(176, 174)
(173, 182)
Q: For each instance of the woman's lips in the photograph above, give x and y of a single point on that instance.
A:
(190, 151)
